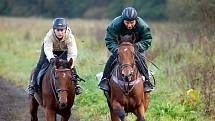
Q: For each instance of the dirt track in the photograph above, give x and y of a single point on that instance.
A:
(14, 104)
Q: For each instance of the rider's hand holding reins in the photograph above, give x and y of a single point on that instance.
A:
(52, 61)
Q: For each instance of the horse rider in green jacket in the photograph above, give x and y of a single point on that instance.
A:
(127, 23)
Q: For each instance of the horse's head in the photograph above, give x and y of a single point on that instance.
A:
(62, 80)
(126, 38)
(126, 56)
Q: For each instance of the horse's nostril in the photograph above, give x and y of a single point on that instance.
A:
(123, 75)
(130, 74)
(62, 105)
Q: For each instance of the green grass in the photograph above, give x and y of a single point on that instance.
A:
(20, 49)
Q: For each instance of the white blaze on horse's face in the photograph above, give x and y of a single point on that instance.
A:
(126, 59)
(64, 75)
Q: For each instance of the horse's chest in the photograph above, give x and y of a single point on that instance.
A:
(126, 87)
(131, 101)
(130, 104)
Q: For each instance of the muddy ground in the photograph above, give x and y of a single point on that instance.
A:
(14, 105)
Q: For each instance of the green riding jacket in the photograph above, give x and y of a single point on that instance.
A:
(117, 27)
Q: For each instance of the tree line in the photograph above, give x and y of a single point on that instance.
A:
(150, 9)
(97, 9)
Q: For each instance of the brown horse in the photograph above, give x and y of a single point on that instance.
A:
(126, 84)
(57, 92)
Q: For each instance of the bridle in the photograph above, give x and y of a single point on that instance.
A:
(125, 81)
(53, 81)
(122, 66)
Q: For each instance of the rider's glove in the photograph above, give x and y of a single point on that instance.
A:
(52, 60)
(136, 47)
(115, 51)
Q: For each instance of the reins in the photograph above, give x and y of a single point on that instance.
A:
(54, 90)
(141, 64)
(53, 80)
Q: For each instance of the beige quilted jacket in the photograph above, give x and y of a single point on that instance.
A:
(51, 43)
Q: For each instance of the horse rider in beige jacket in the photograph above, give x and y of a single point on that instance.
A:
(60, 42)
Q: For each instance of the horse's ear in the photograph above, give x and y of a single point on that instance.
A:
(133, 38)
(57, 63)
(70, 62)
(119, 37)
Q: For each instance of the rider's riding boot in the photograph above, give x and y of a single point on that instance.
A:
(148, 86)
(103, 84)
(32, 83)
(76, 78)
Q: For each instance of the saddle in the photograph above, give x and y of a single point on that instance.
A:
(59, 54)
(41, 74)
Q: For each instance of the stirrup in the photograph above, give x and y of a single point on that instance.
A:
(78, 90)
(148, 90)
(148, 87)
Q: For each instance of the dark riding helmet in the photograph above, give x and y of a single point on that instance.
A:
(59, 23)
(129, 14)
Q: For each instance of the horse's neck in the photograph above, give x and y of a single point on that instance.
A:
(48, 76)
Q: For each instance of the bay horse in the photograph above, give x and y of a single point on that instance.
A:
(126, 84)
(57, 92)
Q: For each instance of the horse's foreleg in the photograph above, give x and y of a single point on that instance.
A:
(143, 107)
(50, 114)
(146, 100)
(117, 112)
(117, 115)
(65, 116)
(139, 112)
(33, 108)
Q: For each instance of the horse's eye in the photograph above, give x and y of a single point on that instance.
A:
(70, 76)
(56, 77)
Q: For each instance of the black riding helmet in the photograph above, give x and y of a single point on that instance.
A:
(59, 23)
(129, 14)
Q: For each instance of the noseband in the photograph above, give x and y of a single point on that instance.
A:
(122, 66)
(126, 65)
